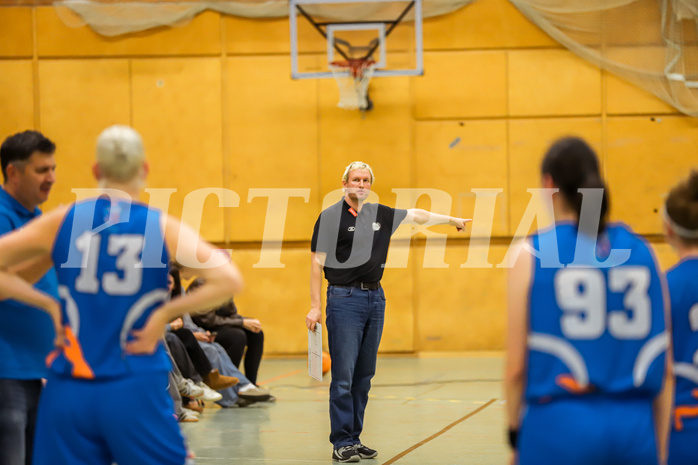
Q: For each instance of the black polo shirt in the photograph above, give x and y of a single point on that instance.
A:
(356, 243)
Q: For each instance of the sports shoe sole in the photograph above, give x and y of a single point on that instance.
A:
(353, 458)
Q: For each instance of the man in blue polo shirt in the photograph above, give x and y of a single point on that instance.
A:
(26, 333)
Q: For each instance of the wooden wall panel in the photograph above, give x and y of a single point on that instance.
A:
(461, 85)
(646, 157)
(623, 97)
(272, 135)
(79, 99)
(248, 36)
(484, 24)
(278, 297)
(459, 156)
(528, 142)
(399, 285)
(16, 97)
(666, 256)
(16, 37)
(461, 309)
(56, 39)
(177, 109)
(382, 138)
(552, 82)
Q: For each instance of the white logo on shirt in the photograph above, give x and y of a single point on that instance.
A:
(376, 226)
(351, 229)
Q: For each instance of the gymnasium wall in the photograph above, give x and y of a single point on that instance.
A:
(217, 108)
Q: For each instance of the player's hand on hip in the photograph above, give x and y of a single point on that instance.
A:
(176, 324)
(460, 223)
(59, 340)
(146, 339)
(313, 317)
(54, 310)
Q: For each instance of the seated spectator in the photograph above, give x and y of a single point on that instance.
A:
(187, 377)
(210, 376)
(242, 394)
(235, 333)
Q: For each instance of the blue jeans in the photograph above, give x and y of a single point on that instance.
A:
(19, 400)
(219, 359)
(354, 329)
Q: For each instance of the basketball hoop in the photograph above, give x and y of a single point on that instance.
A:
(352, 77)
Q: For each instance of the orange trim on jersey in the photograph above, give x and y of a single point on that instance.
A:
(685, 411)
(73, 352)
(51, 357)
(569, 384)
(353, 212)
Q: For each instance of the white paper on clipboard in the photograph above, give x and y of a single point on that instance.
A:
(315, 352)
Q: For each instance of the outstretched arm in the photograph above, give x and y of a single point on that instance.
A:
(419, 216)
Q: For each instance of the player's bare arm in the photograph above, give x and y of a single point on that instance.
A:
(31, 243)
(419, 216)
(33, 270)
(27, 250)
(517, 299)
(663, 404)
(222, 280)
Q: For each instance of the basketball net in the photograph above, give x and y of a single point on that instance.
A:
(353, 77)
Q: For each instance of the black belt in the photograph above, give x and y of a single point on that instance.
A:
(362, 285)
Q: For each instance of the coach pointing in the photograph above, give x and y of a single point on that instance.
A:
(350, 242)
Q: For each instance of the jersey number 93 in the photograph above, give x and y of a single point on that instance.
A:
(581, 294)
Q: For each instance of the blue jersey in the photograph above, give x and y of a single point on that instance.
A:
(26, 333)
(111, 262)
(683, 289)
(594, 328)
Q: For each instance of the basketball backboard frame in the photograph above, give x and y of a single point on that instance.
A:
(383, 27)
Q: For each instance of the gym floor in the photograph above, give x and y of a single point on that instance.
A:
(439, 409)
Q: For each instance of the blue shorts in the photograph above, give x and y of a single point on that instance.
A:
(588, 430)
(128, 420)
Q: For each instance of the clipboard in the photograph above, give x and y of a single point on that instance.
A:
(315, 352)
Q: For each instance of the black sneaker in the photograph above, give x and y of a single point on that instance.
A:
(365, 452)
(346, 454)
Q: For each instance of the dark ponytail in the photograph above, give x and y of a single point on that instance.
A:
(682, 209)
(573, 165)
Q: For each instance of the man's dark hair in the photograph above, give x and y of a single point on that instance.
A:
(19, 147)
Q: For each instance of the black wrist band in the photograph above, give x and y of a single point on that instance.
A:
(513, 438)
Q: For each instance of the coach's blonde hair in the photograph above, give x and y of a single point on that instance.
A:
(357, 165)
(120, 153)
